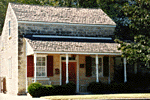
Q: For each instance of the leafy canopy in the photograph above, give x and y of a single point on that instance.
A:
(139, 14)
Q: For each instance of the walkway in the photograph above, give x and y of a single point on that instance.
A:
(13, 97)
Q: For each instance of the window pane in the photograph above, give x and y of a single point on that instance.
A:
(100, 61)
(43, 63)
(43, 73)
(37, 69)
(38, 63)
(99, 69)
(93, 62)
(38, 74)
(93, 71)
(43, 58)
(38, 59)
(63, 58)
(71, 58)
(43, 69)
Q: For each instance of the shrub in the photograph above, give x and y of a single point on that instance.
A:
(57, 90)
(69, 88)
(38, 90)
(96, 87)
(47, 90)
(35, 89)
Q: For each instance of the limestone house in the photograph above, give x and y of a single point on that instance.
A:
(56, 45)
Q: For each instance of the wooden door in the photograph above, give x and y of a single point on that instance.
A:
(71, 72)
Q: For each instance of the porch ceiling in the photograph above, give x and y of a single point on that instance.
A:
(63, 46)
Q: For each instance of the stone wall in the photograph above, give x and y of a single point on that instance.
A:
(66, 30)
(8, 51)
(83, 80)
(52, 29)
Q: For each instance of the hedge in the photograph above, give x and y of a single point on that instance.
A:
(38, 90)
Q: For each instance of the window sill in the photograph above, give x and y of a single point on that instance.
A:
(42, 78)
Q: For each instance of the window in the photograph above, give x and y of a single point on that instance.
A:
(70, 58)
(10, 67)
(100, 67)
(41, 67)
(9, 28)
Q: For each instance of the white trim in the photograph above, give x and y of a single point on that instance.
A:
(45, 56)
(41, 55)
(77, 82)
(35, 67)
(86, 53)
(41, 78)
(26, 70)
(98, 65)
(67, 75)
(29, 49)
(47, 23)
(69, 60)
(70, 37)
(96, 60)
(125, 73)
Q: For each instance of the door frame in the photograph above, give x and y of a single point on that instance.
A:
(77, 69)
(68, 70)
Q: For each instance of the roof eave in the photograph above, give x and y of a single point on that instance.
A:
(79, 24)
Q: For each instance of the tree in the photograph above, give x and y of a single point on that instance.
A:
(137, 51)
(139, 14)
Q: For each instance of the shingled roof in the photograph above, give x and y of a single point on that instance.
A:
(61, 46)
(50, 14)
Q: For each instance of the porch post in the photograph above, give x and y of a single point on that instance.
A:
(77, 88)
(35, 67)
(125, 73)
(26, 70)
(109, 71)
(60, 71)
(97, 80)
(67, 79)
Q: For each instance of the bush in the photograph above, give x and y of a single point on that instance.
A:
(96, 87)
(38, 90)
(69, 88)
(47, 90)
(99, 88)
(35, 89)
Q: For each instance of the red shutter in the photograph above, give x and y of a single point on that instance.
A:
(88, 66)
(30, 66)
(49, 65)
(105, 66)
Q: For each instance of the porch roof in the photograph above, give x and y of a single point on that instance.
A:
(66, 46)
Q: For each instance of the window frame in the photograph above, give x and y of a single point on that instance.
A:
(45, 56)
(9, 25)
(100, 74)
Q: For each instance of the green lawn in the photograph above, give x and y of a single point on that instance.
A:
(105, 96)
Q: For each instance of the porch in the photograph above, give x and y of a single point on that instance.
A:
(57, 63)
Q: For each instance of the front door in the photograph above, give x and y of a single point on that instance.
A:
(71, 72)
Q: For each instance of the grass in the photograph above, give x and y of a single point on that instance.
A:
(104, 96)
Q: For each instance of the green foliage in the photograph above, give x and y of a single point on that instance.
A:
(129, 87)
(35, 89)
(38, 90)
(139, 14)
(139, 51)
